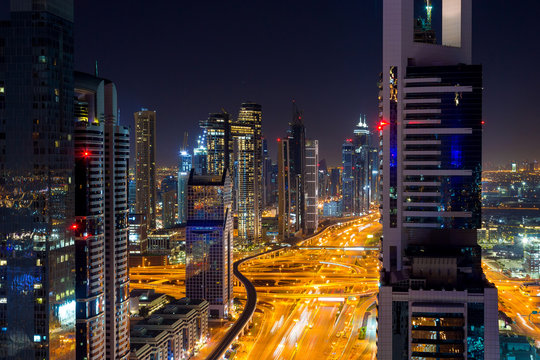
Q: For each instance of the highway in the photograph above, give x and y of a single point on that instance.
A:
(314, 298)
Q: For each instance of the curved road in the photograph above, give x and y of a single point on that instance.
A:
(248, 311)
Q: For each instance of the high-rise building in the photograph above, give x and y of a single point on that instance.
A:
(297, 151)
(169, 187)
(138, 234)
(434, 301)
(335, 182)
(37, 262)
(285, 227)
(347, 177)
(267, 180)
(247, 144)
(101, 227)
(365, 169)
(184, 168)
(209, 241)
(200, 155)
(311, 186)
(218, 142)
(145, 164)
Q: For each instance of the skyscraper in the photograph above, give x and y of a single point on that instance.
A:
(200, 155)
(169, 187)
(285, 227)
(145, 164)
(184, 168)
(365, 168)
(297, 151)
(37, 273)
(209, 241)
(311, 187)
(247, 144)
(101, 228)
(218, 142)
(347, 177)
(433, 299)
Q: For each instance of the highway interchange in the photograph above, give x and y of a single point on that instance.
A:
(315, 298)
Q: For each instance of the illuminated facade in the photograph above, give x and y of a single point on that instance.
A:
(184, 167)
(285, 225)
(433, 299)
(37, 245)
(138, 234)
(347, 177)
(247, 143)
(209, 242)
(101, 227)
(218, 142)
(311, 186)
(365, 169)
(145, 164)
(169, 186)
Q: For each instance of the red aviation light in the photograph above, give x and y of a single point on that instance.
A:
(381, 125)
(74, 226)
(278, 140)
(482, 122)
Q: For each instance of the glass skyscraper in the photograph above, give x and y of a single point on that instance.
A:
(37, 246)
(184, 168)
(209, 241)
(347, 177)
(434, 301)
(145, 164)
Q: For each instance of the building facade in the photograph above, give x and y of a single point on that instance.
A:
(433, 299)
(247, 144)
(184, 167)
(37, 262)
(145, 164)
(347, 177)
(209, 242)
(169, 187)
(285, 225)
(311, 186)
(101, 164)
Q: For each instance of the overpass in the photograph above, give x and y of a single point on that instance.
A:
(245, 316)
(344, 248)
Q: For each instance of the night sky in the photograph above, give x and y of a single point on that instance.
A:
(185, 59)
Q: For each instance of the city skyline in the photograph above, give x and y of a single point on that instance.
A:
(332, 64)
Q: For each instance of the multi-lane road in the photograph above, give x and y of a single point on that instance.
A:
(317, 299)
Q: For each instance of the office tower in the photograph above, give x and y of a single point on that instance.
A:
(145, 164)
(297, 151)
(365, 168)
(268, 188)
(132, 195)
(184, 168)
(311, 188)
(347, 177)
(209, 241)
(37, 272)
(285, 226)
(433, 299)
(169, 187)
(247, 144)
(101, 227)
(138, 234)
(531, 256)
(218, 142)
(335, 182)
(324, 180)
(200, 154)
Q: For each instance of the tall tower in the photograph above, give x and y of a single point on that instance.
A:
(284, 193)
(169, 187)
(184, 168)
(37, 246)
(145, 157)
(311, 187)
(101, 228)
(209, 241)
(247, 139)
(434, 301)
(297, 143)
(218, 142)
(347, 177)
